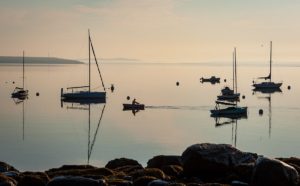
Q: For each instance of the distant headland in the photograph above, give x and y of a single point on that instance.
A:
(36, 60)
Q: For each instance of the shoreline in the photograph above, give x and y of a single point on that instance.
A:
(200, 164)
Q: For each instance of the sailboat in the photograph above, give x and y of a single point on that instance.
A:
(267, 84)
(227, 93)
(21, 92)
(77, 93)
(232, 109)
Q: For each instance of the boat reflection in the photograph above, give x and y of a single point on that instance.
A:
(17, 101)
(86, 106)
(269, 98)
(233, 121)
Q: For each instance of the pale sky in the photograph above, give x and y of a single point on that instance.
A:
(152, 30)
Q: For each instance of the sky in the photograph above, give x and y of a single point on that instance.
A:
(152, 30)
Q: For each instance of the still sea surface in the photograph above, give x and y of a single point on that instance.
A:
(41, 132)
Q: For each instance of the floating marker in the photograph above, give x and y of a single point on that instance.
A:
(128, 97)
(243, 96)
(225, 80)
(13, 82)
(37, 94)
(260, 111)
(177, 83)
(289, 87)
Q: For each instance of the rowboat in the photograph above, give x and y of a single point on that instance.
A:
(127, 106)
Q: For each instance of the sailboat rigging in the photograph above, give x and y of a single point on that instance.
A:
(20, 92)
(267, 84)
(77, 93)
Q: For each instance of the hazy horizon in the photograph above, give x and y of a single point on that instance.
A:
(178, 30)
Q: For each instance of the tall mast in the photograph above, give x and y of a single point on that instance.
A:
(235, 70)
(270, 61)
(89, 61)
(23, 69)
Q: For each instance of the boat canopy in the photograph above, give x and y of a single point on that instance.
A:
(268, 77)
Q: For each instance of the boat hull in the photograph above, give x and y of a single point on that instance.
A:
(20, 94)
(84, 95)
(230, 111)
(133, 106)
(229, 97)
(267, 85)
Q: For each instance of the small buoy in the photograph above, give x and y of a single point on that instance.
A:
(243, 96)
(13, 82)
(177, 83)
(260, 111)
(37, 94)
(253, 81)
(112, 87)
(128, 97)
(225, 80)
(289, 87)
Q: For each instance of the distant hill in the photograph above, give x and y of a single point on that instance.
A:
(36, 60)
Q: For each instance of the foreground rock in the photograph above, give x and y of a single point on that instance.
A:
(211, 161)
(200, 165)
(274, 172)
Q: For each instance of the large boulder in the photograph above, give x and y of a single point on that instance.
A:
(213, 159)
(161, 161)
(33, 178)
(274, 172)
(7, 181)
(121, 162)
(75, 181)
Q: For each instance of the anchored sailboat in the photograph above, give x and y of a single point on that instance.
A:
(21, 92)
(232, 109)
(227, 93)
(77, 93)
(267, 84)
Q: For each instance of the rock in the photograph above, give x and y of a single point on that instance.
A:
(7, 181)
(291, 160)
(213, 159)
(143, 181)
(273, 172)
(238, 183)
(121, 162)
(12, 174)
(152, 172)
(119, 182)
(29, 180)
(75, 181)
(43, 177)
(172, 170)
(158, 183)
(161, 161)
(129, 168)
(176, 184)
(4, 167)
(81, 170)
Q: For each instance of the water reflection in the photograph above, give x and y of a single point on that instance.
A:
(268, 96)
(86, 106)
(17, 101)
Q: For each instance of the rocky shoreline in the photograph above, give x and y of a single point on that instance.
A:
(199, 165)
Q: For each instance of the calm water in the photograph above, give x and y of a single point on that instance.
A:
(177, 116)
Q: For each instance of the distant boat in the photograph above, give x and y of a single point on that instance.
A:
(231, 109)
(21, 92)
(133, 106)
(227, 93)
(212, 79)
(77, 93)
(267, 84)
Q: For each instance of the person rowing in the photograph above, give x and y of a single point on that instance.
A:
(134, 102)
